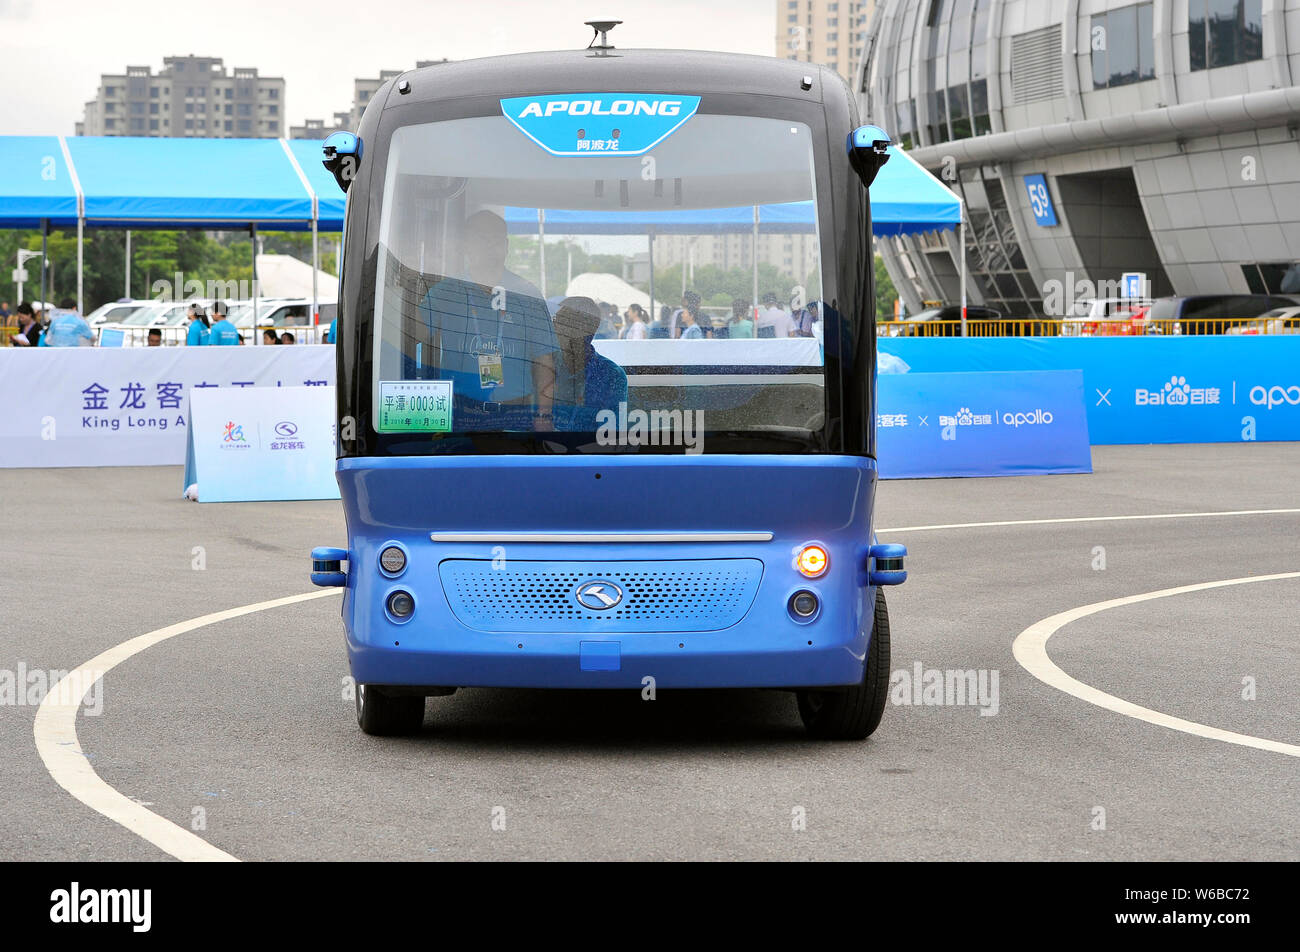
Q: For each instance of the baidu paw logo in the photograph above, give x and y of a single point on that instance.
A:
(964, 417)
(1177, 392)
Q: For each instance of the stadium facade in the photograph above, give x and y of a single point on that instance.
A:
(1090, 138)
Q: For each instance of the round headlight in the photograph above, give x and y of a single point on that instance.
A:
(804, 604)
(392, 560)
(400, 604)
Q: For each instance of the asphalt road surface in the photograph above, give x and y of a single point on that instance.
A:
(240, 732)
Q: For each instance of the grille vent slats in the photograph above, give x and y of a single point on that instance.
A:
(687, 595)
(1036, 66)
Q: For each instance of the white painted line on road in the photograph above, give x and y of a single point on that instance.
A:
(56, 740)
(1030, 649)
(1046, 522)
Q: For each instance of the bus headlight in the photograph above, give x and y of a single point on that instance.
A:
(401, 605)
(812, 561)
(392, 560)
(804, 604)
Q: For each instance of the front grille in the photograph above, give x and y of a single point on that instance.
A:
(690, 595)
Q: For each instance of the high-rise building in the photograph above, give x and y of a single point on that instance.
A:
(363, 90)
(790, 254)
(192, 96)
(829, 32)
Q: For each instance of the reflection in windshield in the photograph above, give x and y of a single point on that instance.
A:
(520, 291)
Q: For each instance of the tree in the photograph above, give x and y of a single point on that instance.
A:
(886, 293)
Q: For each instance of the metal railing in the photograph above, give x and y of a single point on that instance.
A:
(1083, 327)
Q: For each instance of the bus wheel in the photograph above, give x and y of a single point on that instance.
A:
(385, 715)
(853, 713)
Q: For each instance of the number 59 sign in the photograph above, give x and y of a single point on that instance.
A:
(1040, 200)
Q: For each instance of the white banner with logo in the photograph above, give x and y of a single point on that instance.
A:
(252, 445)
(87, 406)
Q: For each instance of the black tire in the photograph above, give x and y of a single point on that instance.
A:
(853, 713)
(386, 715)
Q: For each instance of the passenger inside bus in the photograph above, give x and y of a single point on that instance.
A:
(490, 333)
(585, 382)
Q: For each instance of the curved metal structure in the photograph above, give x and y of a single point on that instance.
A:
(1164, 132)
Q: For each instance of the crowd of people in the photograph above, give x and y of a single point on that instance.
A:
(65, 328)
(689, 321)
(27, 326)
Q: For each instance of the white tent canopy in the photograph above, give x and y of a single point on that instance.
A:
(609, 288)
(284, 276)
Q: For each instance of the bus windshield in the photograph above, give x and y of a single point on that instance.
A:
(520, 290)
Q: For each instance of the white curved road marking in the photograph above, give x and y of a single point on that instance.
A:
(55, 728)
(56, 739)
(1030, 649)
(1047, 522)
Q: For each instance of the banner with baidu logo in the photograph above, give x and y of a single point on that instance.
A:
(92, 406)
(1218, 388)
(981, 424)
(261, 444)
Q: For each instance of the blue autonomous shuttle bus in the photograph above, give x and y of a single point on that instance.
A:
(535, 500)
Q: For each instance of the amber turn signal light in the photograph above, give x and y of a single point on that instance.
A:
(812, 561)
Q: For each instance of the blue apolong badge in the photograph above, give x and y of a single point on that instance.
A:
(599, 123)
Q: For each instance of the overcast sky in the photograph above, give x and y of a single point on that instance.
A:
(52, 52)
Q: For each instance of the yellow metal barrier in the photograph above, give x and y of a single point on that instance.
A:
(1081, 327)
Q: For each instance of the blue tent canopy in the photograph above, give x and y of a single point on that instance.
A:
(36, 183)
(231, 183)
(331, 199)
(905, 199)
(142, 182)
(125, 182)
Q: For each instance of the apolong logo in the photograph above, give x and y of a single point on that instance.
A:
(599, 124)
(594, 107)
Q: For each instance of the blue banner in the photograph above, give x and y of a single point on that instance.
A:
(981, 424)
(1213, 389)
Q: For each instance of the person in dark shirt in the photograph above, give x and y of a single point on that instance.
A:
(28, 327)
(585, 381)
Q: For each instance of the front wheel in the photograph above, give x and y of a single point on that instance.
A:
(386, 715)
(855, 712)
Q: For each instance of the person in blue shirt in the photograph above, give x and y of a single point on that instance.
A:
(585, 381)
(68, 328)
(490, 334)
(689, 321)
(331, 335)
(200, 327)
(222, 333)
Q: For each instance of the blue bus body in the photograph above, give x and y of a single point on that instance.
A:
(709, 614)
(533, 554)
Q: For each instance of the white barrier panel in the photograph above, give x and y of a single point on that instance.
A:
(257, 444)
(741, 352)
(86, 406)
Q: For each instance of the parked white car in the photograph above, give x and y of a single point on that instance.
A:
(114, 312)
(1282, 320)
